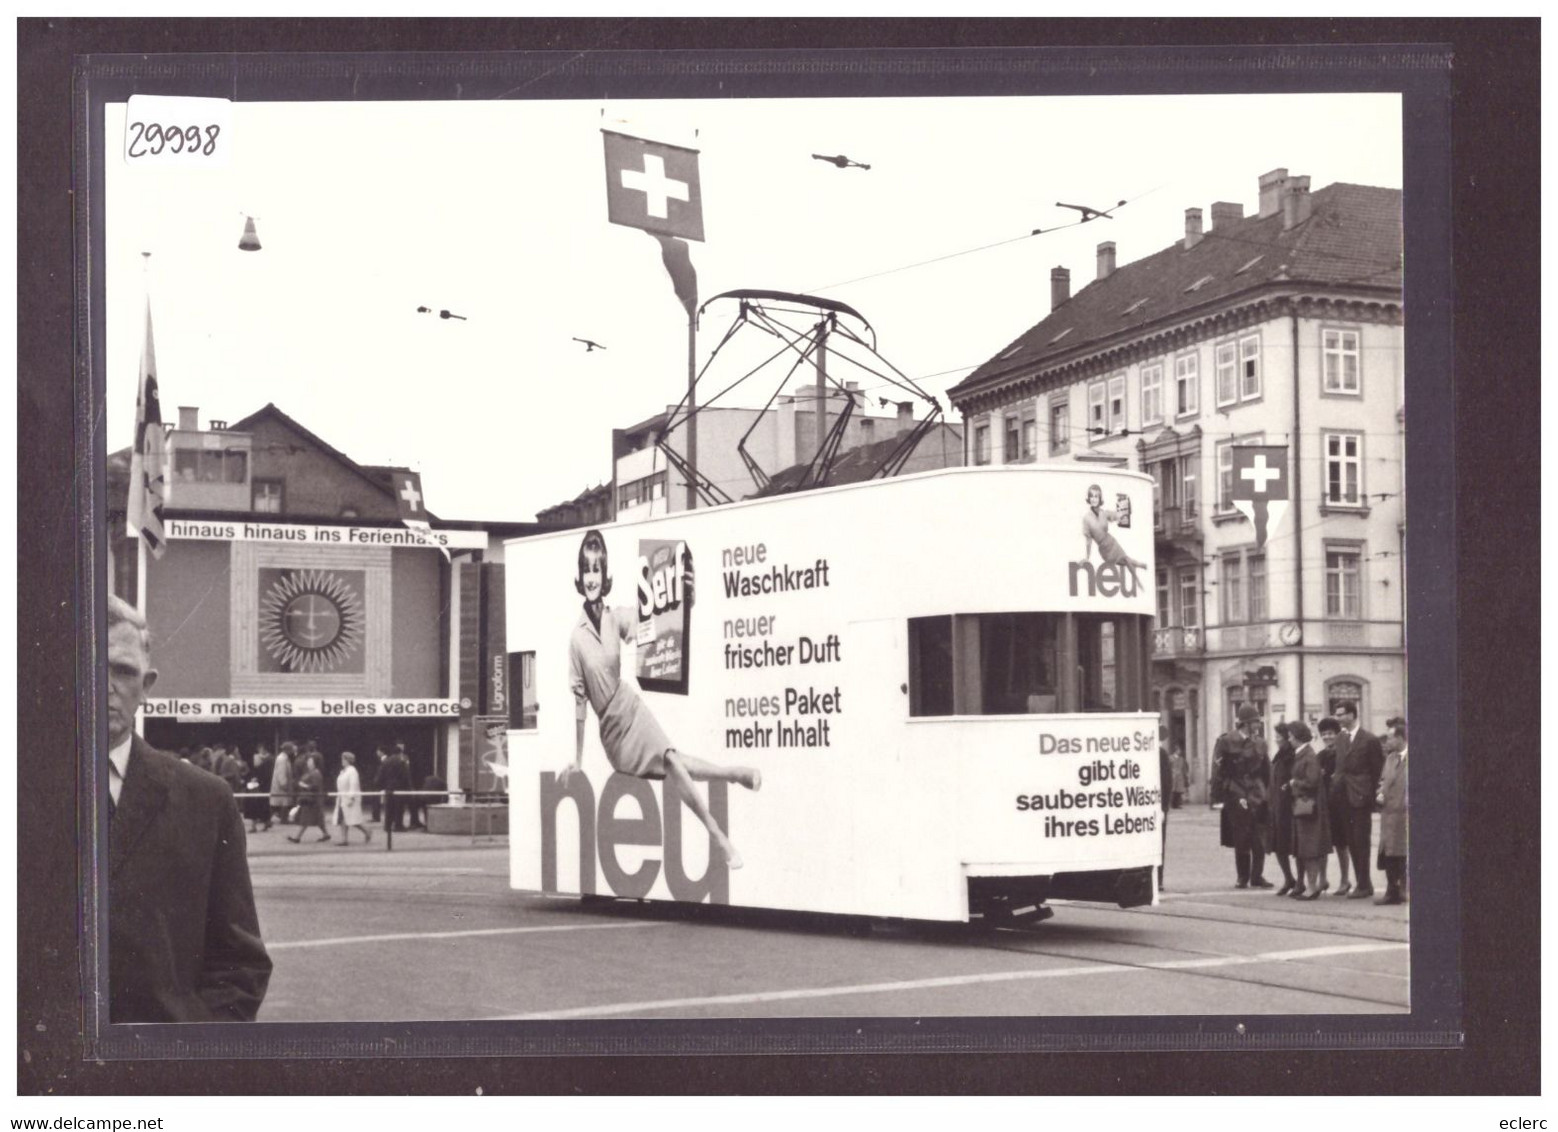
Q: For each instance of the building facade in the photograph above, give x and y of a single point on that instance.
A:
(290, 603)
(646, 484)
(1282, 328)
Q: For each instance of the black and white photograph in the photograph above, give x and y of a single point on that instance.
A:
(860, 359)
(587, 564)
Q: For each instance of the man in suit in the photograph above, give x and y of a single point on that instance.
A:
(1360, 760)
(183, 938)
(1393, 813)
(1242, 771)
(394, 776)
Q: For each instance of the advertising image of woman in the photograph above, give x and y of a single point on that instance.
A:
(1095, 532)
(630, 735)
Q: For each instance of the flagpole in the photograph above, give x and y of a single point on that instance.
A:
(692, 410)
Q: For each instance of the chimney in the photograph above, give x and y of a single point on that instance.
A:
(189, 418)
(905, 416)
(1059, 287)
(1271, 191)
(218, 426)
(1106, 259)
(1192, 227)
(1295, 202)
(1225, 213)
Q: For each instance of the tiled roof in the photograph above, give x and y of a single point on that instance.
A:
(1352, 238)
(379, 475)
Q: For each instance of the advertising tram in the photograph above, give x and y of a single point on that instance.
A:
(917, 698)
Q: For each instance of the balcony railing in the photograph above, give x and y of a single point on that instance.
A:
(1182, 640)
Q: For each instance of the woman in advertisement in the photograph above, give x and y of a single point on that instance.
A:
(1095, 531)
(633, 740)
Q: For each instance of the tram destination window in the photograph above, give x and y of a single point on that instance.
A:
(1026, 663)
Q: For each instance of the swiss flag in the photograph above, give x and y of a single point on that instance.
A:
(653, 186)
(413, 510)
(408, 496)
(1260, 485)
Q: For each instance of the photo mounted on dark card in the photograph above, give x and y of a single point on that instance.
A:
(1048, 531)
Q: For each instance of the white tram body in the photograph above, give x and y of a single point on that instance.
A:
(944, 701)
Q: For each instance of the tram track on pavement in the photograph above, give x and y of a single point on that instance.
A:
(1269, 918)
(1218, 966)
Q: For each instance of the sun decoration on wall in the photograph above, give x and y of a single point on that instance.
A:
(311, 620)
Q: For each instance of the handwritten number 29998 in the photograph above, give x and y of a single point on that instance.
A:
(153, 138)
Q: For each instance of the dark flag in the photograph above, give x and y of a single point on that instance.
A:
(1260, 486)
(148, 456)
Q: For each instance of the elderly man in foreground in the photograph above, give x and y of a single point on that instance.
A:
(183, 938)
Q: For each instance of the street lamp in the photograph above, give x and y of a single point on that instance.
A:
(250, 240)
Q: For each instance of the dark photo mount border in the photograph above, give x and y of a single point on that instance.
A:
(1474, 965)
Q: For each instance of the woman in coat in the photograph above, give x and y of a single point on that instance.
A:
(282, 791)
(1311, 817)
(311, 801)
(348, 800)
(256, 800)
(1281, 829)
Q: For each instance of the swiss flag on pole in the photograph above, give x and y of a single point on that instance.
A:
(413, 511)
(653, 186)
(1260, 485)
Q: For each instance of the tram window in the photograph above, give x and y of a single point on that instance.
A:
(1109, 659)
(930, 666)
(1017, 663)
(1097, 670)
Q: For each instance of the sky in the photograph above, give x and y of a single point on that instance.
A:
(497, 211)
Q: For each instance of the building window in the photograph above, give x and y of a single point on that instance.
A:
(982, 443)
(1013, 440)
(1189, 597)
(1249, 367)
(1187, 481)
(1244, 587)
(1156, 470)
(211, 465)
(1151, 395)
(1059, 426)
(1030, 437)
(1341, 361)
(1233, 589)
(1344, 469)
(1343, 691)
(1165, 618)
(1344, 582)
(1238, 694)
(1255, 582)
(1187, 381)
(1106, 408)
(1238, 370)
(1227, 373)
(268, 496)
(1097, 410)
(1225, 468)
(644, 490)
